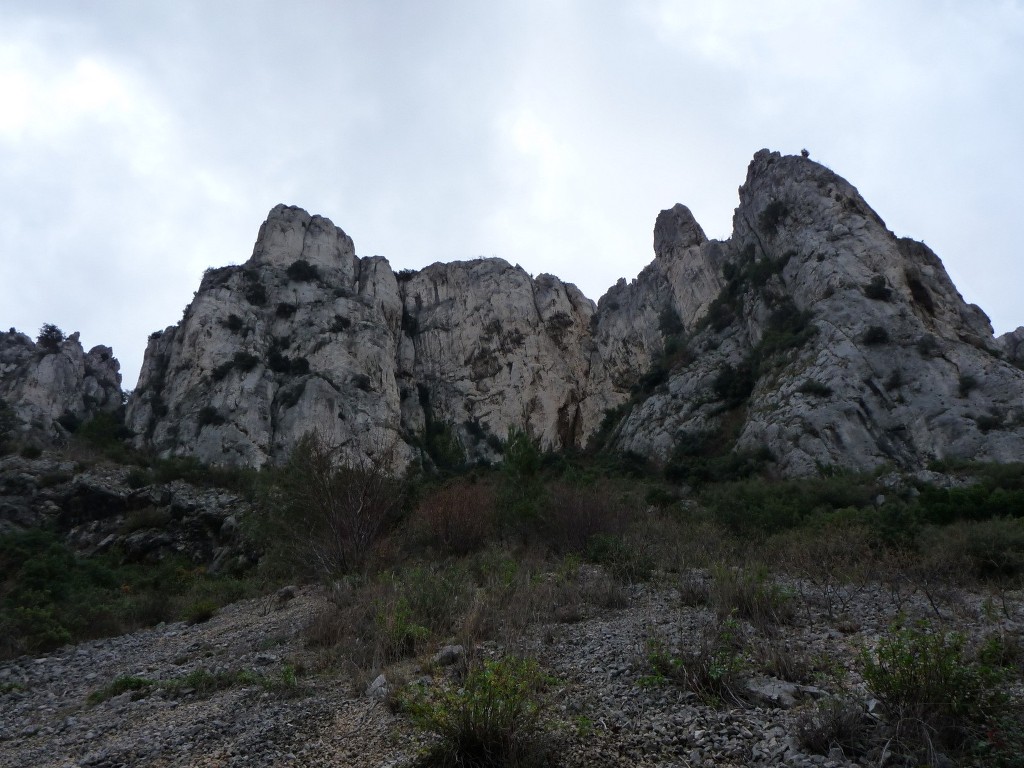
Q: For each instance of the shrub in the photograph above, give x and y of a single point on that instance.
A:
(50, 338)
(835, 723)
(575, 514)
(104, 430)
(302, 271)
(877, 289)
(458, 518)
(968, 383)
(200, 610)
(245, 361)
(255, 292)
(930, 689)
(875, 335)
(815, 388)
(285, 309)
(332, 511)
(714, 670)
(493, 719)
(209, 416)
(234, 323)
(8, 425)
(772, 216)
(748, 594)
(734, 384)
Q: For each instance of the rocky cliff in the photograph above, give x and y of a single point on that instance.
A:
(831, 343)
(53, 384)
(812, 337)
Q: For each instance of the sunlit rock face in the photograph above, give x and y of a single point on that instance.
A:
(50, 387)
(813, 335)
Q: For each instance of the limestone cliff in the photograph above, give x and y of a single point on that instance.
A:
(813, 335)
(832, 343)
(55, 382)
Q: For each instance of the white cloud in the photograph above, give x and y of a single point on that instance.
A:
(139, 146)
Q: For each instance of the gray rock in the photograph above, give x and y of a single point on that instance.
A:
(448, 655)
(812, 333)
(42, 384)
(379, 688)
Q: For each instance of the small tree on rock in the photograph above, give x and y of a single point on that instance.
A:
(50, 337)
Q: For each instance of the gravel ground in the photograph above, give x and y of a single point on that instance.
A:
(606, 711)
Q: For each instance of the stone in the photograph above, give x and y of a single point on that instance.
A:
(378, 688)
(449, 655)
(50, 386)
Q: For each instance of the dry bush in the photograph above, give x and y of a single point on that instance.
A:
(372, 623)
(777, 658)
(328, 515)
(749, 594)
(832, 723)
(832, 564)
(575, 514)
(458, 518)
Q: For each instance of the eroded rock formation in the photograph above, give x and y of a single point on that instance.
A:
(44, 384)
(812, 334)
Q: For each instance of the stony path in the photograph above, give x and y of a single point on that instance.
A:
(606, 716)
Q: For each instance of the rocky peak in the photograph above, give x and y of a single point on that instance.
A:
(675, 231)
(290, 235)
(832, 342)
(54, 380)
(812, 335)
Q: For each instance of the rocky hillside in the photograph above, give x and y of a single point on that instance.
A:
(812, 337)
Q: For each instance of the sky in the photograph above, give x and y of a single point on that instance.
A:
(142, 142)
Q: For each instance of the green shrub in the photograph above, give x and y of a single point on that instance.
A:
(772, 216)
(931, 690)
(254, 290)
(302, 271)
(492, 719)
(200, 610)
(815, 388)
(104, 430)
(50, 338)
(968, 383)
(245, 361)
(877, 289)
(747, 593)
(875, 335)
(735, 383)
(121, 685)
(714, 670)
(209, 416)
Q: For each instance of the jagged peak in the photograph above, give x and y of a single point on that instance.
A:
(290, 233)
(675, 230)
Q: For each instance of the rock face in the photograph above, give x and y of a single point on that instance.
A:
(812, 334)
(306, 336)
(44, 383)
(832, 343)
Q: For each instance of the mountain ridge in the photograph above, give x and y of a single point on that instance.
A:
(812, 335)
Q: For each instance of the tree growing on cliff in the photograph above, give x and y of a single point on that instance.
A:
(50, 337)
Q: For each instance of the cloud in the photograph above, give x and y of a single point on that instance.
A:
(141, 144)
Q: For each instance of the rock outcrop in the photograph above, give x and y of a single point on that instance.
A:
(813, 335)
(832, 343)
(53, 384)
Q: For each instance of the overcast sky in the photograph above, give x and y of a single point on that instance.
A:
(141, 142)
